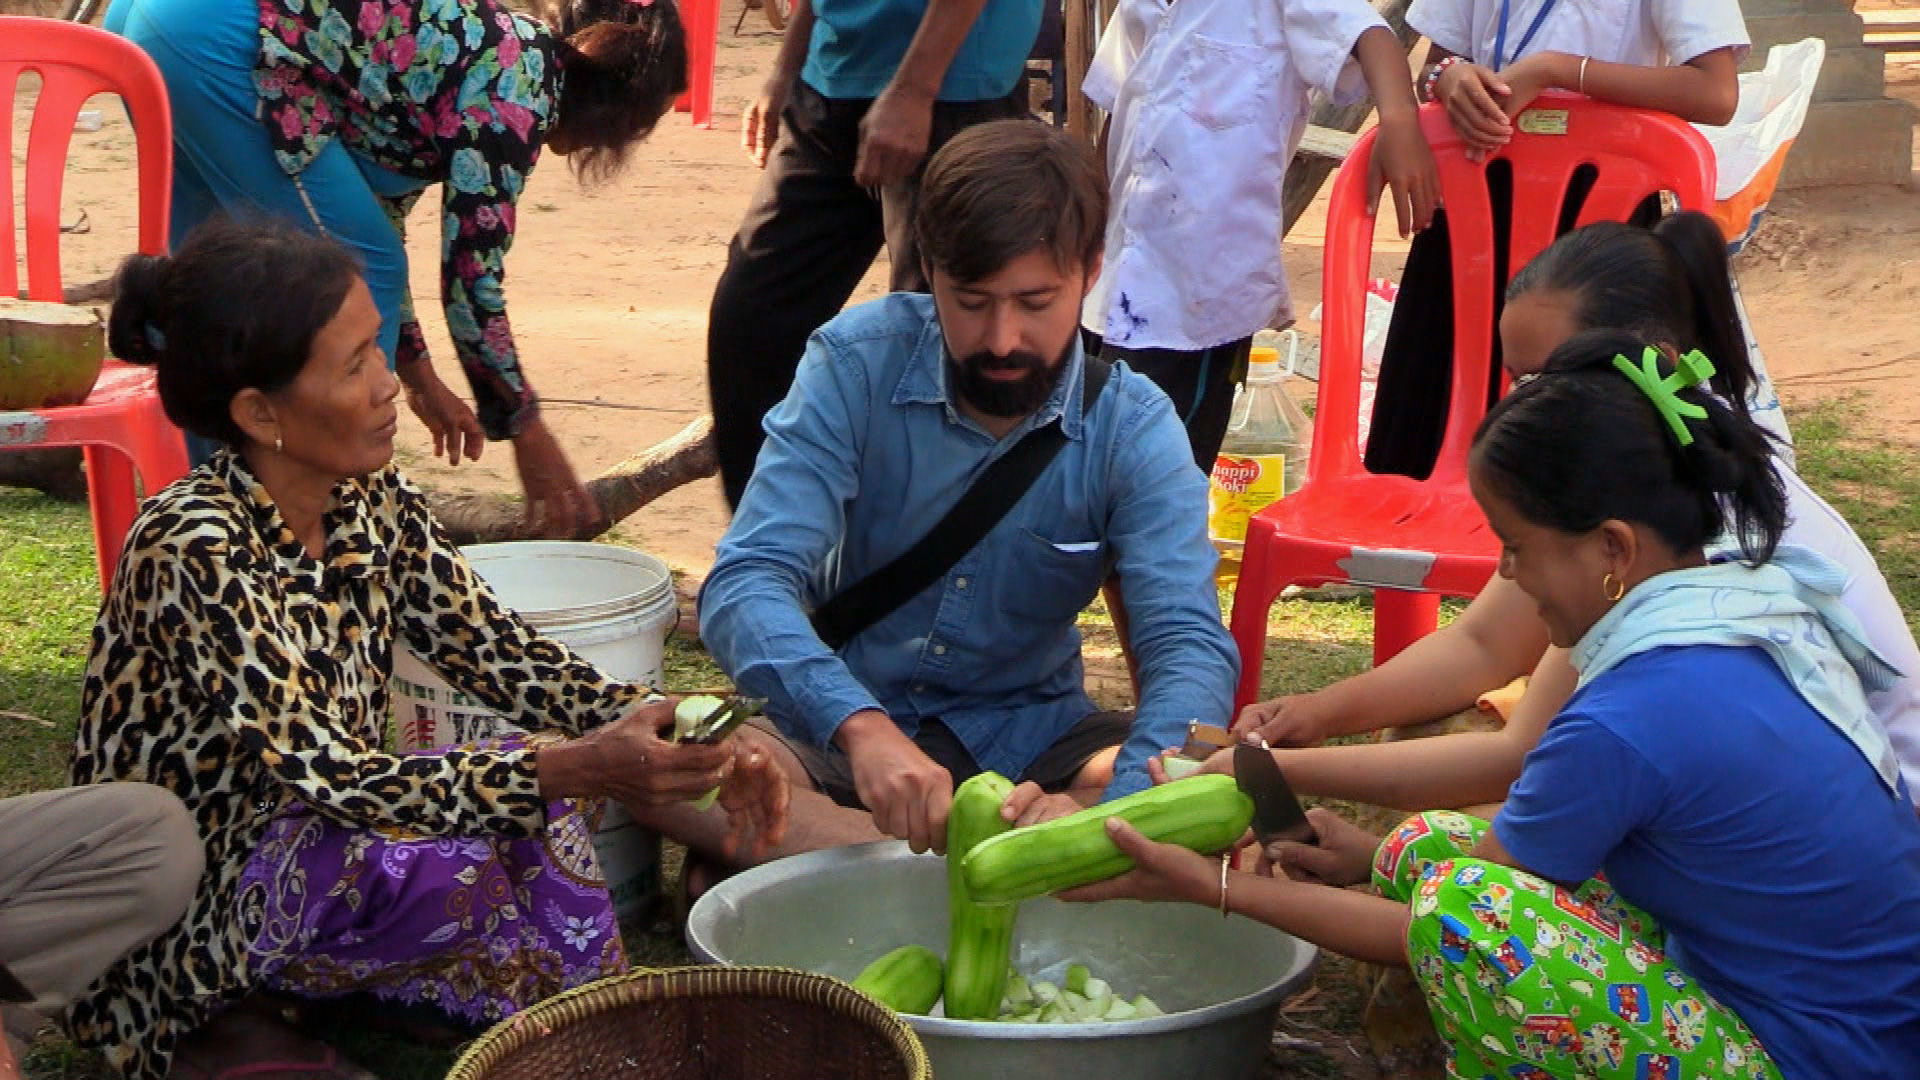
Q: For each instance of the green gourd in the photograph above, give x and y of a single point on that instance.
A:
(1206, 813)
(906, 980)
(979, 938)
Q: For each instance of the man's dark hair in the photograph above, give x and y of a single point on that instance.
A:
(1004, 189)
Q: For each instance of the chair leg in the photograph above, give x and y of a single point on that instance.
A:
(1401, 618)
(1253, 598)
(159, 452)
(111, 496)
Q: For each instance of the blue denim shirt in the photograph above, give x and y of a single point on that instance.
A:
(866, 454)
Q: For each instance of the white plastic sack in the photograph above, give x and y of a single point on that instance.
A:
(1373, 345)
(1750, 150)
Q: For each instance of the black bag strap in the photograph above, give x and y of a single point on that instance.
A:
(997, 490)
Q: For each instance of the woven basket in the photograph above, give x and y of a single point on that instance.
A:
(725, 1023)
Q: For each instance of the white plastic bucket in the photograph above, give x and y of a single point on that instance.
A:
(613, 607)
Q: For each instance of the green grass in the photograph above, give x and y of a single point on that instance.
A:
(1874, 484)
(48, 598)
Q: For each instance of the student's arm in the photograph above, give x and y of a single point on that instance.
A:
(1498, 638)
(1369, 928)
(1445, 772)
(1401, 159)
(894, 134)
(1704, 90)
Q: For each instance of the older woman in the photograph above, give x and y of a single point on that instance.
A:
(241, 661)
(338, 114)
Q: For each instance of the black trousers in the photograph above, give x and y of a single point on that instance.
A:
(809, 236)
(1411, 402)
(1200, 384)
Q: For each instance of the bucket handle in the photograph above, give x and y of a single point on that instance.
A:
(1293, 347)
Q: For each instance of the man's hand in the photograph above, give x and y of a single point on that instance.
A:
(755, 795)
(1472, 95)
(1343, 856)
(1293, 720)
(760, 127)
(908, 794)
(1403, 161)
(893, 136)
(1160, 872)
(1029, 805)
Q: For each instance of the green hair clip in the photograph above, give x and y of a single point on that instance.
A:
(1691, 370)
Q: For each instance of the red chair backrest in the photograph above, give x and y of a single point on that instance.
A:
(74, 63)
(1635, 153)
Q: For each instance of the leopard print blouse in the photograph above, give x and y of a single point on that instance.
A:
(232, 668)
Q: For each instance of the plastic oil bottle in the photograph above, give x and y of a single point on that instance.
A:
(1262, 459)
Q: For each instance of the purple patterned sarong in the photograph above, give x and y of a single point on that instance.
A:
(479, 927)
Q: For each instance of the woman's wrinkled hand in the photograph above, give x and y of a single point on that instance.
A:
(637, 767)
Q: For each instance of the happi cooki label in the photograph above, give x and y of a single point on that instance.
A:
(1240, 488)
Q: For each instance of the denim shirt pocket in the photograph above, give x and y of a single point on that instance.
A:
(1053, 580)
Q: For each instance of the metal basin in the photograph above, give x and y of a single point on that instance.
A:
(1220, 980)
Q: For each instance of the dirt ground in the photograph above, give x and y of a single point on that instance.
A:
(609, 290)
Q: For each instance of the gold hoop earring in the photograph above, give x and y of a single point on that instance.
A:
(1614, 586)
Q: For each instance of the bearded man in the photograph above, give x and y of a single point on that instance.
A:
(904, 599)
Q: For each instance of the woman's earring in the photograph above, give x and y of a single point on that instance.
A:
(1614, 586)
(278, 446)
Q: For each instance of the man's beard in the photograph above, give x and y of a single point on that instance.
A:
(1007, 400)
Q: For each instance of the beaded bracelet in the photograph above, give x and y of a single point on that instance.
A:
(1431, 81)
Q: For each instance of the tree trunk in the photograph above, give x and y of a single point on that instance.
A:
(1308, 172)
(55, 472)
(620, 491)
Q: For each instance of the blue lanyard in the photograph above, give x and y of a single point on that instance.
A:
(1500, 42)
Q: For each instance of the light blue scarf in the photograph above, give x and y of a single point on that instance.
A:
(1790, 607)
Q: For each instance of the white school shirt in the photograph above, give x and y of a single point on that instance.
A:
(1208, 100)
(1647, 33)
(1813, 524)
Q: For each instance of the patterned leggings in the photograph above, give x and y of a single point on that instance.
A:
(1529, 980)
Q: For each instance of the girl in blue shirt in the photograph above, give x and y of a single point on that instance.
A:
(1709, 866)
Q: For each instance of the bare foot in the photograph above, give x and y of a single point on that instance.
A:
(247, 1042)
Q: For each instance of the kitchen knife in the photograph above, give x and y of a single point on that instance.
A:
(1277, 815)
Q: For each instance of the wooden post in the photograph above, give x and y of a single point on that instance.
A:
(1079, 53)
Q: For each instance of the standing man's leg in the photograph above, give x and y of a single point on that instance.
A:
(87, 875)
(808, 238)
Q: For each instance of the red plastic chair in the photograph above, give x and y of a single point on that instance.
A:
(121, 425)
(701, 18)
(1417, 540)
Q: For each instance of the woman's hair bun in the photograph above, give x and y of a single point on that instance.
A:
(136, 331)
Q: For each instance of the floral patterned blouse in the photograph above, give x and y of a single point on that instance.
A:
(460, 92)
(234, 669)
